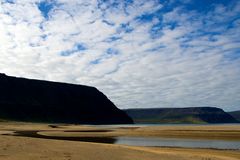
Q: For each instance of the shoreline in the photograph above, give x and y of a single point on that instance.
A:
(24, 148)
(31, 148)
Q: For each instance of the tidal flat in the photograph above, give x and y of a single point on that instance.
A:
(23, 141)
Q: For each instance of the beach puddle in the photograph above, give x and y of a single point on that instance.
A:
(178, 142)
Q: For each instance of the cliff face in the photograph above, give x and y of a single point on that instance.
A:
(180, 115)
(42, 101)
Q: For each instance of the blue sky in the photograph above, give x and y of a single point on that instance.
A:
(141, 54)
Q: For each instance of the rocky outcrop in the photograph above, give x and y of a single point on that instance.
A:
(43, 101)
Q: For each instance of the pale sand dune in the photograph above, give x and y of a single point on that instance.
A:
(25, 148)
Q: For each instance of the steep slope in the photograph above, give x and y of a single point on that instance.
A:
(235, 114)
(180, 115)
(42, 101)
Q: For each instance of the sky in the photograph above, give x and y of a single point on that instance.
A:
(140, 53)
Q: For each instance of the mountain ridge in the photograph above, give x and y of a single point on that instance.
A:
(25, 99)
(180, 115)
(235, 114)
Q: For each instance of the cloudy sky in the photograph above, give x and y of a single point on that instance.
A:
(140, 53)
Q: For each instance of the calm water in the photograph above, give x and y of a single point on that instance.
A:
(177, 142)
(142, 141)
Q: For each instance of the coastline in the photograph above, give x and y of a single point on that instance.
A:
(24, 148)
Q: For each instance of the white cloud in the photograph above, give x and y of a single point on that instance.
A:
(188, 61)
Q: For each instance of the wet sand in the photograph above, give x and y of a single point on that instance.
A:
(20, 147)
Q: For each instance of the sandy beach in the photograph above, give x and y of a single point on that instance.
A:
(24, 148)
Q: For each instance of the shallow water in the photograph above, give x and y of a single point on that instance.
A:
(177, 142)
(143, 141)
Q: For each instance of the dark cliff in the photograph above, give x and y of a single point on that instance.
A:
(180, 115)
(43, 101)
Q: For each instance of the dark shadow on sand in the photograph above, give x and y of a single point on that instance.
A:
(96, 131)
(34, 134)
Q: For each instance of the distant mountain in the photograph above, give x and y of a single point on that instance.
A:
(235, 114)
(180, 115)
(43, 101)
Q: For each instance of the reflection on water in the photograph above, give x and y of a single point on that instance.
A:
(177, 142)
